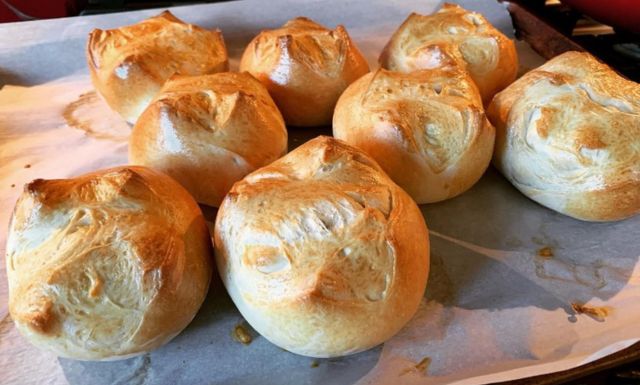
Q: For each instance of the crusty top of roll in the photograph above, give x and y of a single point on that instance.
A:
(319, 243)
(569, 133)
(209, 131)
(304, 42)
(427, 129)
(454, 36)
(106, 265)
(305, 67)
(405, 103)
(129, 64)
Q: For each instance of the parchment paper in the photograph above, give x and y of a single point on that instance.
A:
(504, 273)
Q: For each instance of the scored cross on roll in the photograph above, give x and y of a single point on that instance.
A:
(568, 137)
(321, 252)
(129, 65)
(106, 265)
(427, 129)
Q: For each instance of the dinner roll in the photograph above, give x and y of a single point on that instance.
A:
(305, 67)
(106, 265)
(208, 132)
(427, 129)
(130, 64)
(321, 252)
(568, 137)
(450, 37)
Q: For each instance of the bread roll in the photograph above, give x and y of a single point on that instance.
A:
(107, 265)
(208, 132)
(427, 129)
(130, 64)
(568, 137)
(450, 37)
(321, 252)
(305, 67)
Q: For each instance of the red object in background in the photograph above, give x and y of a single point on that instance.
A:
(6, 14)
(624, 14)
(18, 10)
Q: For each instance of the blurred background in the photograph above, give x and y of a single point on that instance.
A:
(608, 29)
(22, 10)
(618, 14)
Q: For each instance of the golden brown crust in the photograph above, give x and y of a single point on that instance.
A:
(567, 135)
(305, 67)
(452, 37)
(322, 253)
(427, 129)
(130, 64)
(106, 265)
(208, 132)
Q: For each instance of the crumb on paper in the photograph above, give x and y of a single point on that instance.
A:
(315, 364)
(545, 252)
(598, 313)
(27, 166)
(421, 367)
(241, 335)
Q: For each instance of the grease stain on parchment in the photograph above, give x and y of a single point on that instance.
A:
(591, 275)
(87, 114)
(586, 275)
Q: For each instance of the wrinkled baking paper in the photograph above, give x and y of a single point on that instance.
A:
(505, 271)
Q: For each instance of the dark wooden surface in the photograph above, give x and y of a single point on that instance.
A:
(545, 39)
(549, 31)
(621, 368)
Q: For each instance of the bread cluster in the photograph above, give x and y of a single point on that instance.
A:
(454, 37)
(568, 137)
(422, 118)
(129, 65)
(208, 132)
(106, 265)
(117, 262)
(321, 252)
